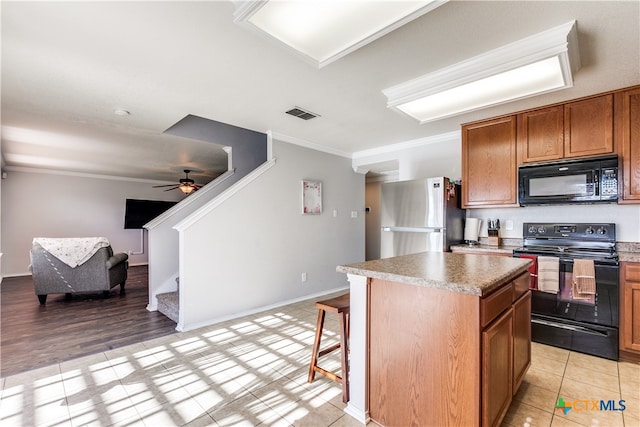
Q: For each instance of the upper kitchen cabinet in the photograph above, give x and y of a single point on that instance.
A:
(541, 135)
(576, 129)
(627, 133)
(489, 174)
(588, 127)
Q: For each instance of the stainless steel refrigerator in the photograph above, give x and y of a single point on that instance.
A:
(420, 216)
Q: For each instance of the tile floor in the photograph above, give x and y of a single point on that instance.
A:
(253, 371)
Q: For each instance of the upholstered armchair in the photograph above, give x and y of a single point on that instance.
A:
(100, 271)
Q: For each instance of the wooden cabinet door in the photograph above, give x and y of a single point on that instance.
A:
(489, 176)
(588, 127)
(424, 350)
(497, 369)
(627, 127)
(630, 314)
(541, 135)
(521, 338)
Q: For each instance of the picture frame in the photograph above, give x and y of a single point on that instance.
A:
(311, 197)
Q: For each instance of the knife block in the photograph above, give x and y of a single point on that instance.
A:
(493, 238)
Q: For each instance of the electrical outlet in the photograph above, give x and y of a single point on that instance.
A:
(508, 225)
(303, 277)
(335, 213)
(354, 214)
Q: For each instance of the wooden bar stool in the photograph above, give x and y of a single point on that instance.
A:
(340, 306)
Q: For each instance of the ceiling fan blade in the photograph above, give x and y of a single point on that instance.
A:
(169, 189)
(160, 186)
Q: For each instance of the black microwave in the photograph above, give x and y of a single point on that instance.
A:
(590, 180)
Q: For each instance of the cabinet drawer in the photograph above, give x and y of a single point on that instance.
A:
(521, 285)
(632, 271)
(495, 303)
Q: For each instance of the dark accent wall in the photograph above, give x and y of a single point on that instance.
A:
(249, 147)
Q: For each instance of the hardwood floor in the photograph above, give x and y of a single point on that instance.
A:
(34, 335)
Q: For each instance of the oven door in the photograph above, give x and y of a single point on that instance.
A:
(600, 308)
(601, 341)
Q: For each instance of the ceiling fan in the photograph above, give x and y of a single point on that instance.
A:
(186, 185)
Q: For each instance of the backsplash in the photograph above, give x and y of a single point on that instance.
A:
(626, 218)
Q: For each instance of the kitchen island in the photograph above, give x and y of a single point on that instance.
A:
(437, 338)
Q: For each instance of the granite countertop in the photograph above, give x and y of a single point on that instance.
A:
(458, 272)
(502, 249)
(629, 256)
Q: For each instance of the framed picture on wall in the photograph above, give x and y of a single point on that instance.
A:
(311, 197)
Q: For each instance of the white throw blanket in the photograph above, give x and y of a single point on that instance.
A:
(73, 251)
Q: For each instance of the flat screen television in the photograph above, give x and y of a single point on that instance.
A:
(139, 212)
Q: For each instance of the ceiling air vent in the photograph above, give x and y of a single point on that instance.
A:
(302, 114)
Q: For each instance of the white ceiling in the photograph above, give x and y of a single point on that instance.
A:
(67, 65)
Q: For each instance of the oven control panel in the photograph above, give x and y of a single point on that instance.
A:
(583, 231)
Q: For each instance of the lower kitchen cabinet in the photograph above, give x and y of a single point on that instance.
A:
(521, 338)
(438, 357)
(630, 311)
(497, 369)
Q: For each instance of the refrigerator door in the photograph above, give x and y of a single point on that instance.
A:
(412, 214)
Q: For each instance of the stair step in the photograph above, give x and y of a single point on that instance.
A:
(169, 305)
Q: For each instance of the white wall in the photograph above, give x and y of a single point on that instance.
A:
(626, 218)
(250, 251)
(434, 156)
(53, 205)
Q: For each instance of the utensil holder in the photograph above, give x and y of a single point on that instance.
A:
(493, 238)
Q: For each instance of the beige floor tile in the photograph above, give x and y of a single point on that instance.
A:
(548, 364)
(202, 421)
(581, 390)
(543, 379)
(104, 414)
(246, 411)
(632, 411)
(587, 375)
(564, 422)
(596, 364)
(549, 352)
(537, 397)
(631, 419)
(47, 374)
(520, 413)
(629, 375)
(306, 415)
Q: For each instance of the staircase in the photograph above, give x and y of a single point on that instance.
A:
(169, 303)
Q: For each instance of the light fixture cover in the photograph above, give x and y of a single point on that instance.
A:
(538, 64)
(322, 31)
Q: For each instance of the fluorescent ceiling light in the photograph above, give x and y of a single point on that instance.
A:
(322, 31)
(532, 66)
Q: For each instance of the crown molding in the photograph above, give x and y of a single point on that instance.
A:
(414, 143)
(307, 144)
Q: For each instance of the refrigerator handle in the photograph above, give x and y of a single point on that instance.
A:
(416, 229)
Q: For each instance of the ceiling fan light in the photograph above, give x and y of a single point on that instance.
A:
(187, 189)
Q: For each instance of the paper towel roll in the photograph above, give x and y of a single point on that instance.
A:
(471, 229)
